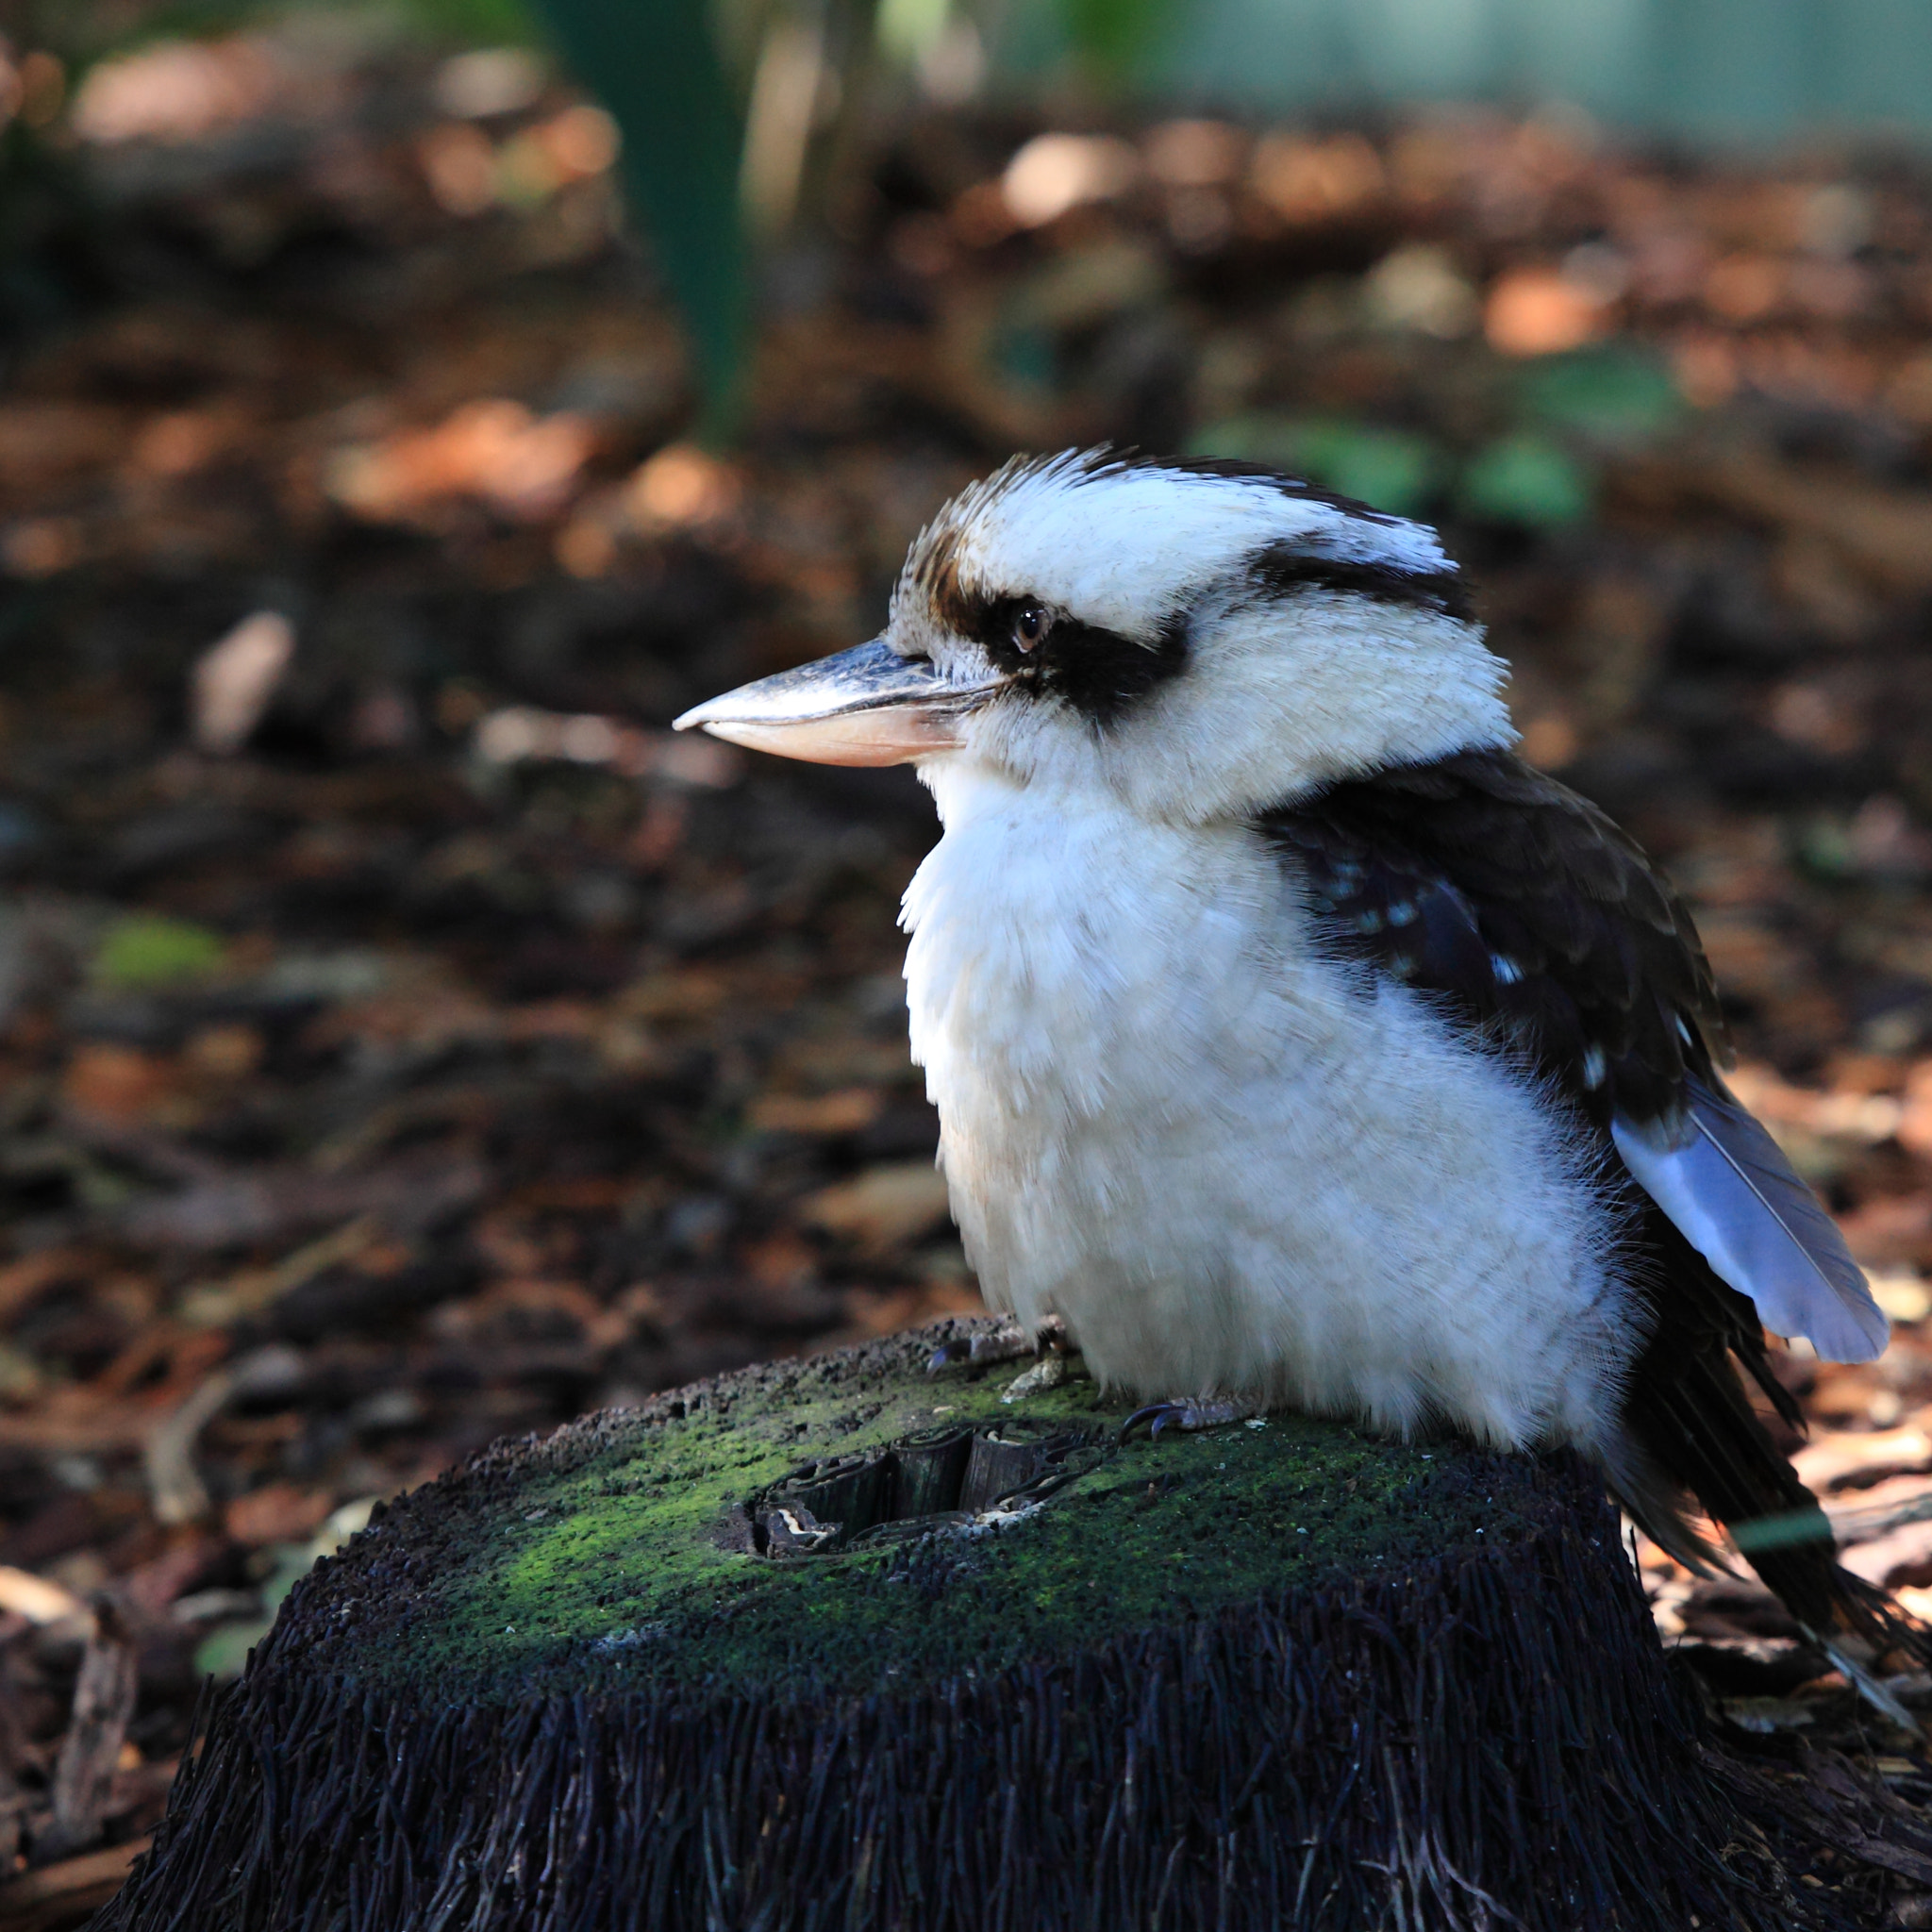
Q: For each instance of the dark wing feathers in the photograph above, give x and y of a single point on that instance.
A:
(1524, 910)
(1527, 910)
(1527, 914)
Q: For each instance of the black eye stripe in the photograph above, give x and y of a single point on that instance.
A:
(1098, 671)
(993, 622)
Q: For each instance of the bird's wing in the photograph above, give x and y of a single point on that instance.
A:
(1527, 913)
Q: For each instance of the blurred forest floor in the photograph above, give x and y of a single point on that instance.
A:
(405, 1041)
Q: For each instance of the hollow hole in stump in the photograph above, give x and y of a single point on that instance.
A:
(937, 1480)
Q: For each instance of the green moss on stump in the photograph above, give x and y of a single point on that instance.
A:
(1287, 1676)
(616, 1568)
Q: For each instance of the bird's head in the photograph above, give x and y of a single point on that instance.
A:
(1200, 639)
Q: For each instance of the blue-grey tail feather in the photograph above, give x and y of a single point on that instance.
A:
(1726, 1184)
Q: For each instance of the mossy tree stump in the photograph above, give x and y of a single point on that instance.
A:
(1272, 1676)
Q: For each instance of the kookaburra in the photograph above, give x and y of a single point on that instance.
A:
(1293, 1040)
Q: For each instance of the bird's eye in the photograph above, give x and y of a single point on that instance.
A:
(1031, 623)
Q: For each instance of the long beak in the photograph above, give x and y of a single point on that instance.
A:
(863, 707)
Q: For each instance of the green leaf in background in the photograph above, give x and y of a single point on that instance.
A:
(1113, 37)
(1526, 481)
(147, 949)
(1023, 354)
(474, 23)
(105, 29)
(1613, 396)
(654, 65)
(1394, 470)
(1822, 845)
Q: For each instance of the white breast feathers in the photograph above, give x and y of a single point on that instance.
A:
(1233, 1166)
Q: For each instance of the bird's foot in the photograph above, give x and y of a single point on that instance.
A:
(1188, 1414)
(1007, 1344)
(981, 1350)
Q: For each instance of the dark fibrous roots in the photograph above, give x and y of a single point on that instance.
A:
(1476, 1743)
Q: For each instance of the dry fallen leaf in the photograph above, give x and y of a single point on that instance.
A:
(495, 450)
(235, 679)
(884, 1209)
(35, 1598)
(1833, 1457)
(849, 1110)
(277, 1513)
(1538, 312)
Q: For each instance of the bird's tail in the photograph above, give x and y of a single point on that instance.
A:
(1693, 1429)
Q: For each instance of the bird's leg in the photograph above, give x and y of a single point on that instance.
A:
(1186, 1413)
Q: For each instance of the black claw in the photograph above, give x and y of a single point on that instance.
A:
(1157, 1415)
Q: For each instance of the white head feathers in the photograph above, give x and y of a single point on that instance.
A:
(1217, 638)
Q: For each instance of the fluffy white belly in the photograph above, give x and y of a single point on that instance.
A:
(1231, 1169)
